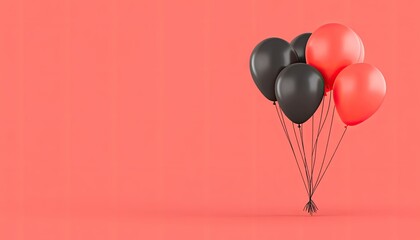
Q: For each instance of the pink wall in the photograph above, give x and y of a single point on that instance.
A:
(133, 107)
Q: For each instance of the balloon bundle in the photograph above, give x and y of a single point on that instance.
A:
(300, 76)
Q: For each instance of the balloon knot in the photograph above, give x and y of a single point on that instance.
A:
(298, 125)
(274, 102)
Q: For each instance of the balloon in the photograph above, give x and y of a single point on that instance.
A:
(358, 92)
(299, 45)
(267, 60)
(299, 91)
(331, 48)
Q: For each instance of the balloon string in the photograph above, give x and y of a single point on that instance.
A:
(335, 150)
(323, 122)
(282, 122)
(320, 117)
(326, 147)
(320, 127)
(304, 157)
(313, 145)
(312, 149)
(301, 154)
(297, 141)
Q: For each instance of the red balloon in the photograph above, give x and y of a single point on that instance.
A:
(331, 48)
(358, 92)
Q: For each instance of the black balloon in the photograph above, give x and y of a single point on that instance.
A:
(267, 60)
(299, 45)
(299, 91)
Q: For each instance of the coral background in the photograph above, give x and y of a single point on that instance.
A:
(125, 119)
